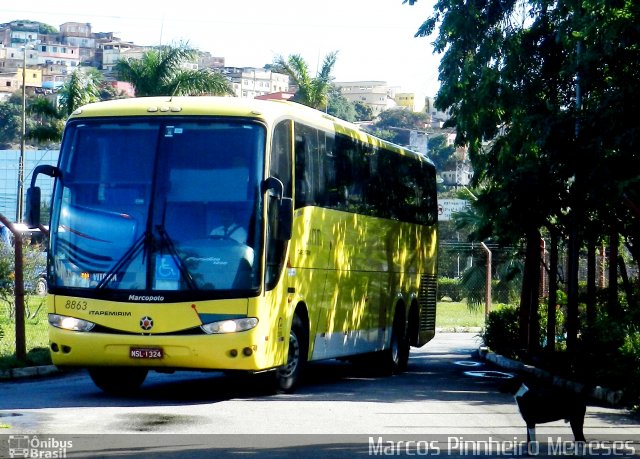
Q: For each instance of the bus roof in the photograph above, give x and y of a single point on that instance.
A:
(268, 110)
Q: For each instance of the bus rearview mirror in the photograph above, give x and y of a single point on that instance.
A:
(32, 207)
(285, 218)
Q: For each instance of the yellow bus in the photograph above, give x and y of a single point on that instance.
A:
(207, 233)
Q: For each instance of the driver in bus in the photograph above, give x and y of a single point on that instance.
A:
(228, 228)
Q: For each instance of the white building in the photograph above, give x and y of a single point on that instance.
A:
(251, 82)
(375, 94)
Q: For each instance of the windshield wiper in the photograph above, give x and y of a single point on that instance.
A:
(184, 271)
(128, 256)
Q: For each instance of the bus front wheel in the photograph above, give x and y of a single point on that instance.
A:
(288, 376)
(116, 380)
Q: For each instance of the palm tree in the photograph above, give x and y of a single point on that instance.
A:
(313, 92)
(83, 87)
(160, 73)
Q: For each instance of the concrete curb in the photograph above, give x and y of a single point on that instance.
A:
(28, 372)
(458, 329)
(612, 397)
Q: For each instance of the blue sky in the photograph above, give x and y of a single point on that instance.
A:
(374, 38)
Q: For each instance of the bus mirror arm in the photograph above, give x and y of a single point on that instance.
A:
(273, 184)
(46, 169)
(32, 205)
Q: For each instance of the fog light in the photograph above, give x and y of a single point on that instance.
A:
(247, 351)
(233, 352)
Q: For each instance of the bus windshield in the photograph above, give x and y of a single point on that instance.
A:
(163, 204)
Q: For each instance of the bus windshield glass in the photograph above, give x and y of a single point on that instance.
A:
(163, 204)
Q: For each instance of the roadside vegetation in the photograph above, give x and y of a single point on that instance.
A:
(543, 94)
(36, 323)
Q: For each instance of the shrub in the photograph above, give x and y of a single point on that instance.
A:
(630, 361)
(501, 331)
(450, 288)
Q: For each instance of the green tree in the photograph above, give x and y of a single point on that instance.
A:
(45, 121)
(10, 122)
(394, 124)
(339, 106)
(82, 87)
(363, 112)
(312, 91)
(441, 153)
(538, 78)
(160, 72)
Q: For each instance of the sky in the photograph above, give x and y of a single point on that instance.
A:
(374, 38)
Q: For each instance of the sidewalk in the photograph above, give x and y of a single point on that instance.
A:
(599, 393)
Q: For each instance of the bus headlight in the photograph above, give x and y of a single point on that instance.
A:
(230, 326)
(70, 323)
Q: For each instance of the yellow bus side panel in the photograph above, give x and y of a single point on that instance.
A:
(351, 270)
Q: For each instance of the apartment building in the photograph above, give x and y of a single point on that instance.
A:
(376, 94)
(16, 34)
(12, 63)
(110, 52)
(252, 82)
(79, 35)
(416, 102)
(45, 57)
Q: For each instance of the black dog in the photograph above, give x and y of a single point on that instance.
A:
(538, 405)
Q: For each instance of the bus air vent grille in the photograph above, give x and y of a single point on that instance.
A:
(427, 302)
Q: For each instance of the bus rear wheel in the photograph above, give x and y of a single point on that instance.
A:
(395, 359)
(288, 376)
(118, 380)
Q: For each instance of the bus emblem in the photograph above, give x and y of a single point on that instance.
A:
(146, 323)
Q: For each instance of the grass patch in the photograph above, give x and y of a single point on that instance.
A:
(36, 336)
(456, 314)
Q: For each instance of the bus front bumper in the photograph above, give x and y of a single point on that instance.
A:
(230, 351)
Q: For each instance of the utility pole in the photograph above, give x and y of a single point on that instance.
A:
(22, 138)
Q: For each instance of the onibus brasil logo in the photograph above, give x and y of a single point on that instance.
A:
(32, 446)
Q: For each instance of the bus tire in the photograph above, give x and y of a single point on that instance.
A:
(395, 359)
(118, 380)
(289, 375)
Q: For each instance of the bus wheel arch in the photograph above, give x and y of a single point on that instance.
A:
(288, 376)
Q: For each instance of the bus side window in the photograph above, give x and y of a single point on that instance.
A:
(281, 155)
(280, 167)
(303, 187)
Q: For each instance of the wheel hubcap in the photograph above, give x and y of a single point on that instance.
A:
(293, 358)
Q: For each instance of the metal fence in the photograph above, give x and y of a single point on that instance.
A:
(23, 322)
(462, 270)
(462, 277)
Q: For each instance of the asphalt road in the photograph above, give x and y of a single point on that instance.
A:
(437, 408)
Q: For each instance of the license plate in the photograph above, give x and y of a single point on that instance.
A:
(146, 353)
